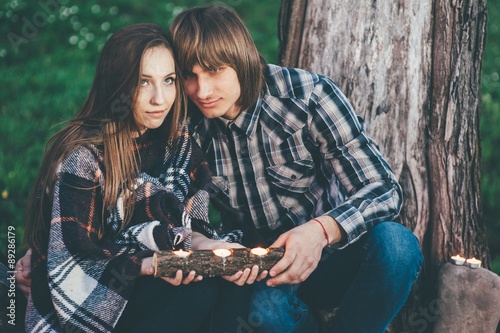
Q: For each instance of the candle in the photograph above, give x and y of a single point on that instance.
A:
(473, 263)
(182, 254)
(222, 252)
(458, 260)
(259, 251)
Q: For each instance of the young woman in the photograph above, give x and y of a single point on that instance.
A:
(121, 180)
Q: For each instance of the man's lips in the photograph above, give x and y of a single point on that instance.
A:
(208, 104)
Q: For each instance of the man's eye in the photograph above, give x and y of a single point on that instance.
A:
(215, 70)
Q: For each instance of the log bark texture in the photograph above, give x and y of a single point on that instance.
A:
(412, 70)
(207, 263)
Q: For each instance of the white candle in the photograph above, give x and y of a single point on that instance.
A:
(222, 253)
(458, 260)
(182, 254)
(259, 251)
(473, 263)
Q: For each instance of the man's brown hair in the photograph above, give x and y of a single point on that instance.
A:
(213, 36)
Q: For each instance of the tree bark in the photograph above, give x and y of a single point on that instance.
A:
(412, 69)
(207, 263)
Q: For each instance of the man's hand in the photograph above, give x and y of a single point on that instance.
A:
(148, 269)
(23, 273)
(304, 245)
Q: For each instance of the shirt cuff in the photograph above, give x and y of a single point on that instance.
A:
(352, 223)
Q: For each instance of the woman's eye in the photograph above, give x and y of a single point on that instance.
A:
(144, 82)
(169, 80)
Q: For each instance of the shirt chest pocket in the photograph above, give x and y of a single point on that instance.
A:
(291, 165)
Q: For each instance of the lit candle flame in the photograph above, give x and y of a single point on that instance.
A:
(458, 260)
(259, 251)
(182, 254)
(473, 263)
(222, 253)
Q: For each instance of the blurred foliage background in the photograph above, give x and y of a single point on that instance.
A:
(48, 53)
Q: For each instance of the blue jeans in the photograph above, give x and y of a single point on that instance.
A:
(369, 281)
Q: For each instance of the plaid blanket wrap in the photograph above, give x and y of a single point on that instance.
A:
(82, 281)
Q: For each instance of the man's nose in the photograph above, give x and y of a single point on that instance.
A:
(205, 88)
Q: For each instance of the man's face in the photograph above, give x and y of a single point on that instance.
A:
(214, 92)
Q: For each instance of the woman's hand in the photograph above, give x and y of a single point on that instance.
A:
(201, 242)
(148, 269)
(247, 276)
(23, 273)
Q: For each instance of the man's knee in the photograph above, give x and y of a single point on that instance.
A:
(276, 309)
(396, 246)
(266, 302)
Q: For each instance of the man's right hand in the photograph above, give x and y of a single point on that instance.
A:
(23, 273)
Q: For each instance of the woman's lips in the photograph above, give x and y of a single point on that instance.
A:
(156, 114)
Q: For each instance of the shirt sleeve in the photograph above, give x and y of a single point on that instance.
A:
(349, 156)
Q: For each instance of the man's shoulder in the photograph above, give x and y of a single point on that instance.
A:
(288, 82)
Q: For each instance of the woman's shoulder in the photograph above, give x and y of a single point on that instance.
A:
(84, 161)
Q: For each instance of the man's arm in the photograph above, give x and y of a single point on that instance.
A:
(347, 156)
(351, 157)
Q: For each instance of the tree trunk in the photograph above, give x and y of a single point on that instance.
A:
(412, 69)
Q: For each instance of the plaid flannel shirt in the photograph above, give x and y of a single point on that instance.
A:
(300, 152)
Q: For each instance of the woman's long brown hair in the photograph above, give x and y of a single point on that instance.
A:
(106, 120)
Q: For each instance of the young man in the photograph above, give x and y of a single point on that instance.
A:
(294, 168)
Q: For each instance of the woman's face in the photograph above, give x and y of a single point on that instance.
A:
(156, 88)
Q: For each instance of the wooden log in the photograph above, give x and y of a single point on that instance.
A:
(208, 263)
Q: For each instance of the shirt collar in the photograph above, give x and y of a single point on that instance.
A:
(247, 120)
